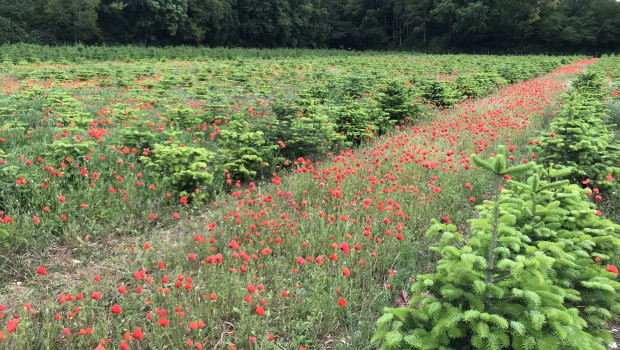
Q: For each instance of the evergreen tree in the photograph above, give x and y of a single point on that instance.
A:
(581, 139)
(518, 280)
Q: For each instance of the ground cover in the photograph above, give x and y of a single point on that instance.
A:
(93, 139)
(308, 258)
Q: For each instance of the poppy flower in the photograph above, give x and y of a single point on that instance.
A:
(95, 296)
(612, 269)
(259, 310)
(346, 271)
(342, 302)
(137, 334)
(213, 296)
(11, 326)
(116, 309)
(163, 322)
(41, 270)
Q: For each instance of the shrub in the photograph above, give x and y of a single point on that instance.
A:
(396, 102)
(186, 168)
(581, 140)
(523, 279)
(242, 151)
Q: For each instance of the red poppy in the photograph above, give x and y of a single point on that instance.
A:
(10, 327)
(612, 269)
(342, 302)
(137, 334)
(41, 270)
(116, 309)
(259, 310)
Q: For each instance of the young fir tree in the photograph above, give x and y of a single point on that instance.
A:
(502, 288)
(591, 84)
(582, 140)
(561, 213)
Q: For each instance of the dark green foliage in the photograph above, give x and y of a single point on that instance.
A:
(581, 137)
(302, 130)
(243, 152)
(63, 150)
(358, 122)
(502, 26)
(396, 102)
(524, 276)
(440, 92)
(187, 168)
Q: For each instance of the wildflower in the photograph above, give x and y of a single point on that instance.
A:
(259, 310)
(116, 309)
(137, 334)
(11, 326)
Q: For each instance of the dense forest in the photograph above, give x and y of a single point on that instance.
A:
(498, 26)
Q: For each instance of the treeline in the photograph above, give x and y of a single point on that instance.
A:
(498, 26)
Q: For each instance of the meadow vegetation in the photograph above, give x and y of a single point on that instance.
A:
(284, 202)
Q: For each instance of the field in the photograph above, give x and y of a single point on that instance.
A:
(230, 201)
